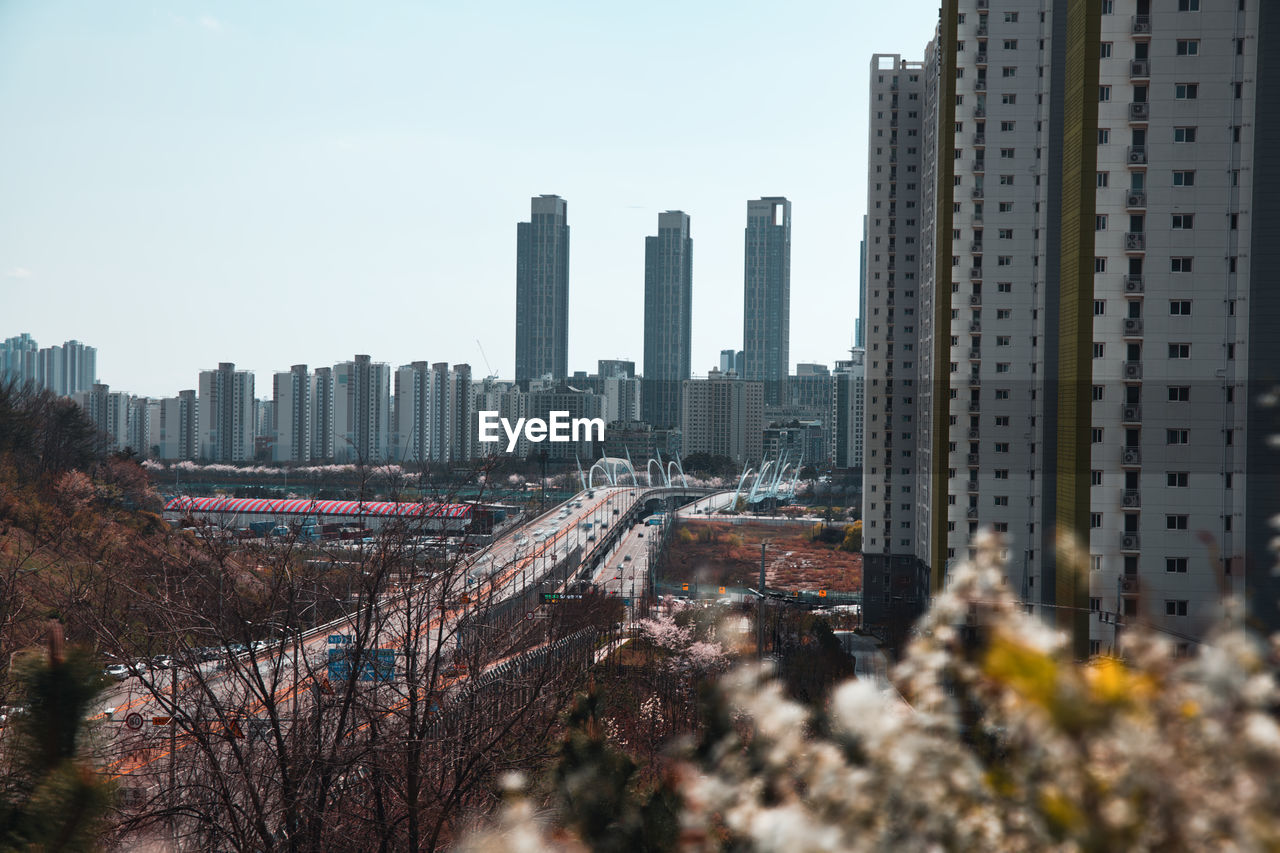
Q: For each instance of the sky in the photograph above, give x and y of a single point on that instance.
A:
(187, 183)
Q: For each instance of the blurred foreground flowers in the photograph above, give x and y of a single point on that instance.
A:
(990, 737)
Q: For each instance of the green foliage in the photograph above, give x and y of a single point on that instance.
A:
(51, 798)
(596, 791)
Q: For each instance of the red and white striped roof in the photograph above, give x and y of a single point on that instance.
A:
(262, 506)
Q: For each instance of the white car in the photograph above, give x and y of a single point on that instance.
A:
(118, 671)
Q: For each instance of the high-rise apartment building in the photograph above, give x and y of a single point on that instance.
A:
(848, 402)
(411, 437)
(291, 429)
(542, 292)
(1072, 342)
(225, 414)
(18, 357)
(728, 360)
(723, 416)
(109, 411)
(322, 414)
(178, 430)
(668, 318)
(892, 572)
(766, 324)
(462, 415)
(361, 411)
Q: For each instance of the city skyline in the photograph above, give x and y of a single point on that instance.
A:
(288, 165)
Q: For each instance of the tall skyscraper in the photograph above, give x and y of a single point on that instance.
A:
(668, 318)
(766, 323)
(1090, 378)
(109, 411)
(542, 292)
(226, 414)
(291, 430)
(361, 411)
(728, 361)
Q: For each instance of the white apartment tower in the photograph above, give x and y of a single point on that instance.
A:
(291, 415)
(226, 413)
(891, 325)
(361, 411)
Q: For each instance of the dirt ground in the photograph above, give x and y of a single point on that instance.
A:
(729, 555)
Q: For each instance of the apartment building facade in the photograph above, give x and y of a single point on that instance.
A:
(1084, 306)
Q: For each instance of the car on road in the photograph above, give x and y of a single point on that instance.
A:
(118, 671)
(161, 662)
(626, 559)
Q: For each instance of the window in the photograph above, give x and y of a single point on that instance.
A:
(1180, 265)
(1011, 17)
(1188, 47)
(1005, 207)
(1002, 474)
(1004, 260)
(1008, 99)
(1177, 436)
(1099, 350)
(1179, 393)
(1175, 522)
(1184, 178)
(1099, 391)
(1104, 136)
(1185, 91)
(1004, 287)
(1176, 564)
(1108, 7)
(1180, 307)
(1179, 350)
(1095, 435)
(1095, 478)
(1104, 93)
(1002, 447)
(1188, 5)
(1002, 367)
(1007, 126)
(1003, 313)
(1105, 50)
(1008, 71)
(1175, 607)
(1000, 500)
(1095, 520)
(1099, 265)
(1177, 479)
(1104, 179)
(1183, 221)
(1184, 134)
(1006, 180)
(1006, 153)
(1006, 233)
(1002, 393)
(1010, 44)
(1099, 307)
(1100, 222)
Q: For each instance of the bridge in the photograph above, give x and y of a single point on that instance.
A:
(598, 537)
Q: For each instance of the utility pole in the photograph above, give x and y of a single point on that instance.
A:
(760, 606)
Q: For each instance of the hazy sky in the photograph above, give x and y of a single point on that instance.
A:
(273, 183)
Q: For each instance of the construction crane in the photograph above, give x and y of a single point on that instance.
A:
(487, 365)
